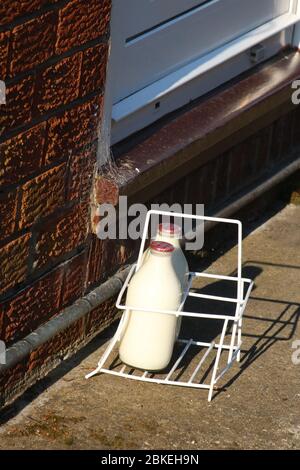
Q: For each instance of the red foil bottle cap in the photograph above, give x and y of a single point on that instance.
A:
(169, 229)
(161, 247)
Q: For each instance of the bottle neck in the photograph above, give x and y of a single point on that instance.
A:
(159, 258)
(175, 241)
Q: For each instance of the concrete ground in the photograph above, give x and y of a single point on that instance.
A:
(257, 407)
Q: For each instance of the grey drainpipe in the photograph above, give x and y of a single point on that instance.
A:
(110, 288)
(67, 317)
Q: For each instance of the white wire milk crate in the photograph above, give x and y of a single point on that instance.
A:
(111, 364)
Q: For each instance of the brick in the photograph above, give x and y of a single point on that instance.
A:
(81, 21)
(281, 138)
(8, 211)
(13, 262)
(2, 325)
(101, 317)
(33, 306)
(179, 196)
(243, 164)
(81, 174)
(59, 83)
(94, 267)
(107, 256)
(33, 42)
(11, 380)
(18, 108)
(167, 196)
(263, 149)
(222, 167)
(22, 155)
(74, 129)
(4, 40)
(208, 183)
(42, 195)
(106, 191)
(93, 72)
(12, 9)
(200, 187)
(74, 280)
(287, 141)
(235, 172)
(193, 189)
(62, 235)
(128, 250)
(296, 127)
(54, 349)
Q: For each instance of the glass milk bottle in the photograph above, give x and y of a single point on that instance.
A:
(148, 340)
(171, 233)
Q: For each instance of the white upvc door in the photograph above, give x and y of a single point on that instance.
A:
(162, 50)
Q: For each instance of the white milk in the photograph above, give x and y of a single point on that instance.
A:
(149, 337)
(171, 233)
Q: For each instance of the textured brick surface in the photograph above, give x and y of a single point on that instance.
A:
(63, 235)
(8, 210)
(22, 155)
(281, 138)
(200, 186)
(74, 281)
(208, 185)
(81, 174)
(95, 261)
(2, 330)
(106, 191)
(242, 165)
(100, 250)
(263, 148)
(13, 262)
(179, 195)
(10, 380)
(12, 9)
(296, 127)
(94, 69)
(33, 306)
(81, 21)
(230, 172)
(222, 169)
(59, 83)
(18, 108)
(101, 317)
(33, 42)
(106, 256)
(42, 195)
(53, 349)
(73, 129)
(4, 37)
(46, 171)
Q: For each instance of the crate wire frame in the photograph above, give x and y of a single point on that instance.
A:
(233, 349)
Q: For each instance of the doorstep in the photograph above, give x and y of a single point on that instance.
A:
(157, 157)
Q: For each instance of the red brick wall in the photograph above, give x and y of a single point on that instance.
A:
(53, 56)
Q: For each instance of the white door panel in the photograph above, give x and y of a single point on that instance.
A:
(165, 53)
(135, 16)
(155, 53)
